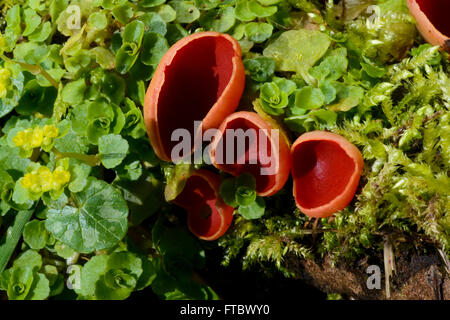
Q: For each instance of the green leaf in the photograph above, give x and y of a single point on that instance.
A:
(20, 282)
(298, 51)
(167, 13)
(261, 11)
(29, 258)
(228, 192)
(90, 275)
(309, 98)
(255, 210)
(99, 220)
(79, 172)
(349, 97)
(35, 234)
(103, 57)
(36, 99)
(12, 236)
(328, 90)
(260, 69)
(32, 21)
(258, 31)
(73, 92)
(154, 23)
(134, 32)
(151, 3)
(63, 250)
(246, 180)
(153, 49)
(112, 149)
(144, 196)
(186, 12)
(220, 20)
(331, 68)
(123, 13)
(245, 196)
(126, 57)
(42, 33)
(243, 12)
(177, 180)
(98, 20)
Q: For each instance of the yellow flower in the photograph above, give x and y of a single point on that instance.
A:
(37, 138)
(45, 178)
(61, 176)
(27, 180)
(20, 139)
(5, 74)
(51, 131)
(3, 90)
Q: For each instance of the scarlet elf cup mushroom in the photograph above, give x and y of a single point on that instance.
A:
(200, 78)
(266, 157)
(432, 20)
(326, 170)
(208, 216)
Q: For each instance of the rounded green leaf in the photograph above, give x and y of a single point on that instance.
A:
(245, 195)
(255, 210)
(228, 192)
(154, 23)
(153, 49)
(97, 221)
(242, 11)
(112, 149)
(98, 20)
(134, 32)
(309, 98)
(35, 234)
(261, 11)
(258, 31)
(186, 12)
(167, 13)
(260, 69)
(218, 20)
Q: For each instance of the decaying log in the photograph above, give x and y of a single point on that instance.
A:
(416, 277)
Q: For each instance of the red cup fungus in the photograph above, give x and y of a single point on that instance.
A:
(326, 169)
(200, 78)
(432, 20)
(208, 216)
(266, 156)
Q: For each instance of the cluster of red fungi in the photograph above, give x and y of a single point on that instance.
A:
(202, 78)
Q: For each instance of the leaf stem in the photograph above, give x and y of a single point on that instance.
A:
(34, 69)
(91, 160)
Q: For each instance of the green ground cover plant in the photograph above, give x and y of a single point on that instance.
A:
(85, 200)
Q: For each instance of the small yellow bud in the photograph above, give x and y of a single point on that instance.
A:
(27, 181)
(51, 131)
(45, 178)
(3, 90)
(61, 176)
(20, 139)
(5, 74)
(37, 138)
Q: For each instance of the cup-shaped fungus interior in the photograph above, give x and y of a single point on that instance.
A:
(437, 11)
(199, 200)
(244, 147)
(321, 172)
(194, 81)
